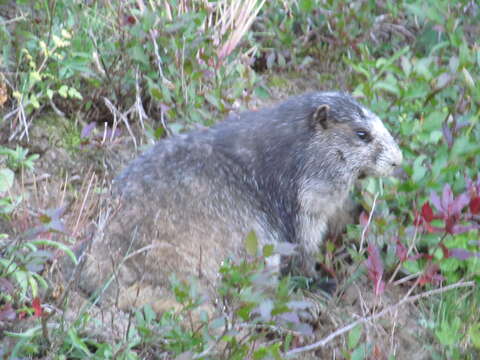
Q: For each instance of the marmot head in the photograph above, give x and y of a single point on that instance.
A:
(355, 139)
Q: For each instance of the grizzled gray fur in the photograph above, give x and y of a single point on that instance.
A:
(285, 172)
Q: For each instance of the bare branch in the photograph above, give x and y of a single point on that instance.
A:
(345, 329)
(370, 216)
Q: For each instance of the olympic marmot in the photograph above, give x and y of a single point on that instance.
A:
(188, 203)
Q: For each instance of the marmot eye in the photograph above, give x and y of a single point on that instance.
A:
(363, 135)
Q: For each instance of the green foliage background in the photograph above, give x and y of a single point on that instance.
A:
(415, 63)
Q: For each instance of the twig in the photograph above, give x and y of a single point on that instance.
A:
(209, 349)
(138, 101)
(373, 317)
(37, 179)
(114, 112)
(370, 216)
(158, 59)
(92, 179)
(406, 278)
(18, 18)
(20, 115)
(56, 109)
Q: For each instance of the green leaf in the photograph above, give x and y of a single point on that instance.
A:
(60, 246)
(35, 77)
(73, 93)
(354, 337)
(33, 284)
(360, 353)
(40, 280)
(137, 53)
(260, 353)
(214, 101)
(449, 265)
(6, 179)
(251, 243)
(422, 68)
(148, 20)
(28, 334)
(419, 171)
(306, 5)
(448, 334)
(34, 101)
(63, 91)
(50, 93)
(77, 342)
(412, 266)
(21, 277)
(435, 136)
(406, 65)
(474, 333)
(468, 78)
(463, 146)
(359, 69)
(388, 87)
(262, 92)
(156, 93)
(268, 250)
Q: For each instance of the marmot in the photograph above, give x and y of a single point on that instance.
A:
(188, 203)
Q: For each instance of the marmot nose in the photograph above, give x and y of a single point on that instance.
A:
(397, 158)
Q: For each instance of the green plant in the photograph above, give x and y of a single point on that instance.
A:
(7, 203)
(256, 306)
(176, 61)
(17, 159)
(426, 92)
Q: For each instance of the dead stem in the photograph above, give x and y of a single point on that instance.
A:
(405, 300)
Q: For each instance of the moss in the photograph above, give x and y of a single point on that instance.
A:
(58, 131)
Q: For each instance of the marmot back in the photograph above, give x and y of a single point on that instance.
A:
(187, 204)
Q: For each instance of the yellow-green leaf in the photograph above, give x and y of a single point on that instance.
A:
(251, 243)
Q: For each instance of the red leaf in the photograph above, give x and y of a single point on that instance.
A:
(449, 224)
(401, 251)
(428, 257)
(37, 307)
(431, 275)
(363, 219)
(415, 257)
(427, 212)
(417, 221)
(446, 252)
(473, 187)
(433, 229)
(458, 204)
(374, 266)
(378, 353)
(475, 205)
(131, 20)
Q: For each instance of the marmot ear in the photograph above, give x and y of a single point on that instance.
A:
(320, 116)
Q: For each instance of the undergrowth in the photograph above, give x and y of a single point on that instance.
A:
(161, 67)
